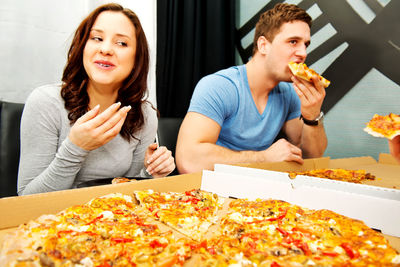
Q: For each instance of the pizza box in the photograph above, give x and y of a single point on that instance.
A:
(18, 210)
(386, 170)
(372, 204)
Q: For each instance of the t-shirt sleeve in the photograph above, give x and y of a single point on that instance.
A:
(215, 96)
(294, 103)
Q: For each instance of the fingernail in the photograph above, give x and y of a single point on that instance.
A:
(127, 108)
(148, 172)
(117, 104)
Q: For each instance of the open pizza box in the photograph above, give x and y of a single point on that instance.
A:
(18, 210)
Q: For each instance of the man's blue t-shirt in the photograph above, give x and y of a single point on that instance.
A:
(225, 97)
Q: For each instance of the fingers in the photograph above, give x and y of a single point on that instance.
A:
(117, 119)
(105, 115)
(89, 115)
(309, 90)
(282, 150)
(161, 162)
(93, 130)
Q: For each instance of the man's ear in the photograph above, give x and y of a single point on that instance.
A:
(263, 45)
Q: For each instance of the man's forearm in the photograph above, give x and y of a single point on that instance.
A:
(205, 155)
(313, 141)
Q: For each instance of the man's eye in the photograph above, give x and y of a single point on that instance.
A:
(293, 42)
(122, 43)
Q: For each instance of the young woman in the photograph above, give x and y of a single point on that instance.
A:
(97, 123)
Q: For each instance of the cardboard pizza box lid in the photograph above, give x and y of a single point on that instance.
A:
(309, 164)
(17, 210)
(387, 159)
(371, 204)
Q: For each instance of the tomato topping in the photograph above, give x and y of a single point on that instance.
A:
(275, 264)
(212, 251)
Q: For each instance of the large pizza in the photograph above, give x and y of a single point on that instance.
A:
(194, 228)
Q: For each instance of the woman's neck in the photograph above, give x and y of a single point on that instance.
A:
(101, 95)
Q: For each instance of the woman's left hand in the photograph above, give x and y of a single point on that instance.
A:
(159, 162)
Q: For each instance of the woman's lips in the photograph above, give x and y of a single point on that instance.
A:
(104, 64)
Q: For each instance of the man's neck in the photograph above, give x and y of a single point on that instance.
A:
(260, 80)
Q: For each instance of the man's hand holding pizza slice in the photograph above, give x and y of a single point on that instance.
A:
(310, 87)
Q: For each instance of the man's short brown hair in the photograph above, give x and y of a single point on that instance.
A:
(271, 21)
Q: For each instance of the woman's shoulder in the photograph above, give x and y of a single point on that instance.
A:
(149, 111)
(48, 92)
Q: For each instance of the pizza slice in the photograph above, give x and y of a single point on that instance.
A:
(120, 180)
(387, 126)
(302, 71)
(191, 213)
(352, 176)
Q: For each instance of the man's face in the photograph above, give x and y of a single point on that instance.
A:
(289, 44)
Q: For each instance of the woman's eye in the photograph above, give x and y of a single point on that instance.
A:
(121, 43)
(293, 42)
(96, 38)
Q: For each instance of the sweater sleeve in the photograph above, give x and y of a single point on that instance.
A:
(44, 165)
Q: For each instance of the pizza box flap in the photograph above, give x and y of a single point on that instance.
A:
(17, 210)
(387, 159)
(371, 204)
(350, 163)
(309, 164)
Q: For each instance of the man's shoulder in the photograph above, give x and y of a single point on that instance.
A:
(225, 79)
(231, 73)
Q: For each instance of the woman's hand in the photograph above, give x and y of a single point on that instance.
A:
(94, 130)
(158, 161)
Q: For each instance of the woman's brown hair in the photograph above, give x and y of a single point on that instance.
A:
(133, 91)
(271, 21)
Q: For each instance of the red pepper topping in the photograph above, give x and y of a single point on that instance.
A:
(330, 253)
(156, 244)
(350, 251)
(275, 264)
(63, 232)
(283, 232)
(121, 239)
(119, 212)
(303, 246)
(280, 217)
(95, 219)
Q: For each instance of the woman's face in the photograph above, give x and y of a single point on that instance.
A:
(109, 53)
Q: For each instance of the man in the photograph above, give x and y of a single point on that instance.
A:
(236, 114)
